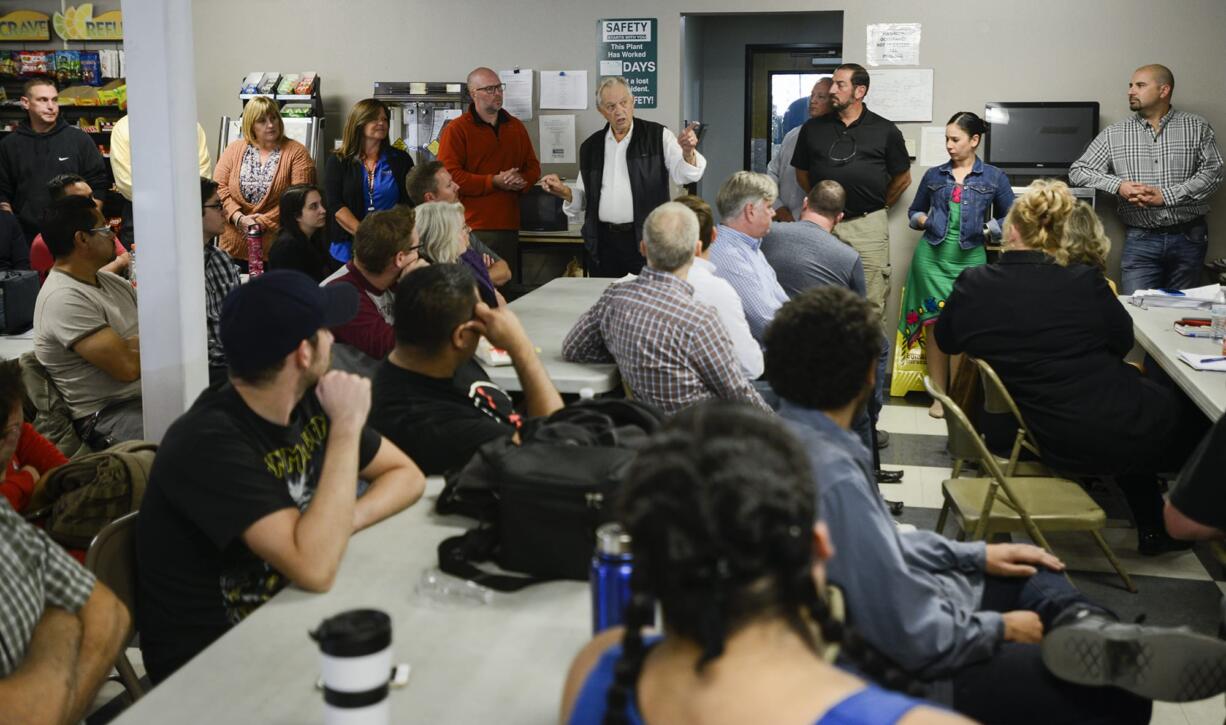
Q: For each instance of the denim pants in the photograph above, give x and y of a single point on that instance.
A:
(1013, 686)
(1154, 259)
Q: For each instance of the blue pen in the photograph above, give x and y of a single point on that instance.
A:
(1172, 292)
(1212, 359)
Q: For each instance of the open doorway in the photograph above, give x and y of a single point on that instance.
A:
(728, 88)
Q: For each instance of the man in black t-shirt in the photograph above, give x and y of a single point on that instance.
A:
(866, 154)
(427, 401)
(256, 485)
(1197, 505)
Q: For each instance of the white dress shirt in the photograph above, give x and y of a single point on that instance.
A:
(616, 200)
(716, 292)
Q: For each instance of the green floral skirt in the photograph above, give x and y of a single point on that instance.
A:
(931, 279)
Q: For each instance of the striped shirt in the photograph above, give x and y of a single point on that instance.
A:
(220, 276)
(671, 350)
(1181, 159)
(35, 573)
(738, 258)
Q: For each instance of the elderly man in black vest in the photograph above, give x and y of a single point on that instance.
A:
(624, 173)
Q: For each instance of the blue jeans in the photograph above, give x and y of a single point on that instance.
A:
(866, 420)
(1154, 259)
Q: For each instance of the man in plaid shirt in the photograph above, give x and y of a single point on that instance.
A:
(220, 275)
(671, 351)
(1164, 165)
(60, 630)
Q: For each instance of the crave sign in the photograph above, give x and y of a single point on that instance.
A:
(22, 25)
(628, 49)
(79, 23)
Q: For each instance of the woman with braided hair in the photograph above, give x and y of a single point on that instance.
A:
(721, 510)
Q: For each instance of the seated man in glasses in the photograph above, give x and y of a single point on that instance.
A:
(86, 328)
(385, 248)
(430, 397)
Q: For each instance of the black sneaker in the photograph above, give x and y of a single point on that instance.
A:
(884, 476)
(1155, 542)
(1157, 663)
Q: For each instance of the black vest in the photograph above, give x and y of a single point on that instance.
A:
(648, 176)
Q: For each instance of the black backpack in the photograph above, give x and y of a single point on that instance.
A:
(539, 503)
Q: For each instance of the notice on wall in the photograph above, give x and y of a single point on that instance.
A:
(901, 95)
(893, 44)
(628, 48)
(558, 139)
(932, 146)
(565, 89)
(517, 98)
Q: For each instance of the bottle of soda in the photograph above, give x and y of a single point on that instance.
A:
(612, 565)
(255, 250)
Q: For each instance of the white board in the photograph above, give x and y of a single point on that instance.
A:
(901, 96)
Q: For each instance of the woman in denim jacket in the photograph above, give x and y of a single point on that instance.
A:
(958, 205)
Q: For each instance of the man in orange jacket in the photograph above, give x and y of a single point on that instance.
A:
(488, 153)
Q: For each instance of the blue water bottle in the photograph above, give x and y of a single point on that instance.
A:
(610, 577)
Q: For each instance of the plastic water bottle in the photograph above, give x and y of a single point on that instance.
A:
(612, 565)
(1218, 314)
(255, 250)
(441, 589)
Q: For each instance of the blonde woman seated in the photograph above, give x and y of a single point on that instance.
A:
(1057, 335)
(443, 236)
(1086, 241)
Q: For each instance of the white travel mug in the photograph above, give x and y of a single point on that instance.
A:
(356, 662)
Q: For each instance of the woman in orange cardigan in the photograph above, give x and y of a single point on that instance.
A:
(254, 171)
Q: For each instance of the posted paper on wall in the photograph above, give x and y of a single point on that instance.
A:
(517, 98)
(565, 89)
(893, 44)
(932, 146)
(558, 139)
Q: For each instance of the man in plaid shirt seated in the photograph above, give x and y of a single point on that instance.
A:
(671, 351)
(60, 630)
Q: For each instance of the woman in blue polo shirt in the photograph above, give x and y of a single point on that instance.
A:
(956, 203)
(365, 174)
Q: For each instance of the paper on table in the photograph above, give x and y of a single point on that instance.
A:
(932, 146)
(1208, 293)
(517, 98)
(1198, 361)
(558, 139)
(566, 89)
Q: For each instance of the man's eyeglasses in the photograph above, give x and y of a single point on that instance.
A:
(496, 88)
(102, 231)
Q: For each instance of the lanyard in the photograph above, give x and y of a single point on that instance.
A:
(370, 187)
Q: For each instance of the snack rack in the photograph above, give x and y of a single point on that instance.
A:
(304, 97)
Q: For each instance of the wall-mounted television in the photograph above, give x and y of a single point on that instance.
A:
(1038, 135)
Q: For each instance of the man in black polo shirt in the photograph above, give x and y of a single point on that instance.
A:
(866, 154)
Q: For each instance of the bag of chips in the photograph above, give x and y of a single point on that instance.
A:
(8, 63)
(32, 63)
(67, 66)
(91, 68)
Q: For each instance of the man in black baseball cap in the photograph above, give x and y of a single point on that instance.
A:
(256, 485)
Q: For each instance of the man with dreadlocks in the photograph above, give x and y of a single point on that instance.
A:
(963, 612)
(720, 510)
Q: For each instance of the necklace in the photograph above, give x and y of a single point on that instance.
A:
(370, 184)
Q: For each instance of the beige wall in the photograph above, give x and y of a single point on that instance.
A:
(1042, 50)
